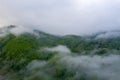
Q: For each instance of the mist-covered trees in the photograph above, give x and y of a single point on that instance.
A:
(17, 52)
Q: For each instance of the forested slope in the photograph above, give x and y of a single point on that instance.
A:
(18, 52)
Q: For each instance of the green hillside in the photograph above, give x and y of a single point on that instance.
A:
(18, 52)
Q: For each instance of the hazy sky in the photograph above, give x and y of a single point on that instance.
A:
(62, 16)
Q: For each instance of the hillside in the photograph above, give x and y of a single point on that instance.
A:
(34, 56)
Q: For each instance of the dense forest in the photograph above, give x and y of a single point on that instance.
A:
(43, 56)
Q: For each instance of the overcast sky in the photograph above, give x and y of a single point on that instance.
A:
(62, 16)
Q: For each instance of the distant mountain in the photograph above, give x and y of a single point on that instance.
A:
(108, 40)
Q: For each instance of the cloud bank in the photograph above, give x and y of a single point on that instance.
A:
(95, 67)
(59, 48)
(62, 16)
(108, 35)
(83, 67)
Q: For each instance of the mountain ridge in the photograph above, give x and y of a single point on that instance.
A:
(17, 52)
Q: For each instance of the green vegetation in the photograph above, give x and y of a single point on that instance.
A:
(17, 52)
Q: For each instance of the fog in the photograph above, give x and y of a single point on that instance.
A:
(63, 16)
(109, 34)
(16, 30)
(95, 67)
(87, 67)
(60, 48)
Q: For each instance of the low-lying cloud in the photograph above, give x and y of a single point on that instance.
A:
(87, 67)
(16, 30)
(94, 67)
(108, 35)
(59, 48)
